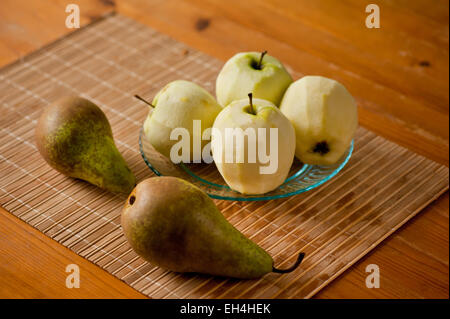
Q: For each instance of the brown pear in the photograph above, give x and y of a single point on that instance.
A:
(74, 136)
(175, 225)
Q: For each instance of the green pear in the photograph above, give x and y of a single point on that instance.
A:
(255, 72)
(253, 174)
(173, 224)
(325, 117)
(177, 105)
(74, 136)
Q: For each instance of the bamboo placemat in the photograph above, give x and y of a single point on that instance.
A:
(382, 186)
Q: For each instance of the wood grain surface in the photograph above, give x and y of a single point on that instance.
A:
(405, 63)
(34, 267)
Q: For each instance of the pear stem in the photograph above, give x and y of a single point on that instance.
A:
(252, 110)
(261, 59)
(141, 99)
(292, 268)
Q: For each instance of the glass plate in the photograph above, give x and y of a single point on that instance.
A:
(301, 178)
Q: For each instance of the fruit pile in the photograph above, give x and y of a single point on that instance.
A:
(315, 118)
(171, 222)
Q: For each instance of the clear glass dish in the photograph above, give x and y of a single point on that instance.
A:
(301, 178)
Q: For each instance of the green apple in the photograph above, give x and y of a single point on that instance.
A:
(272, 144)
(325, 117)
(255, 72)
(177, 105)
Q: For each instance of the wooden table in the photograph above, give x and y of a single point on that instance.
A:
(399, 74)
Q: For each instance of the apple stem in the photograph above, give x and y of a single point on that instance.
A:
(252, 110)
(293, 267)
(261, 59)
(141, 99)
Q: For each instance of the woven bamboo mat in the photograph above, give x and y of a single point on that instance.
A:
(382, 186)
